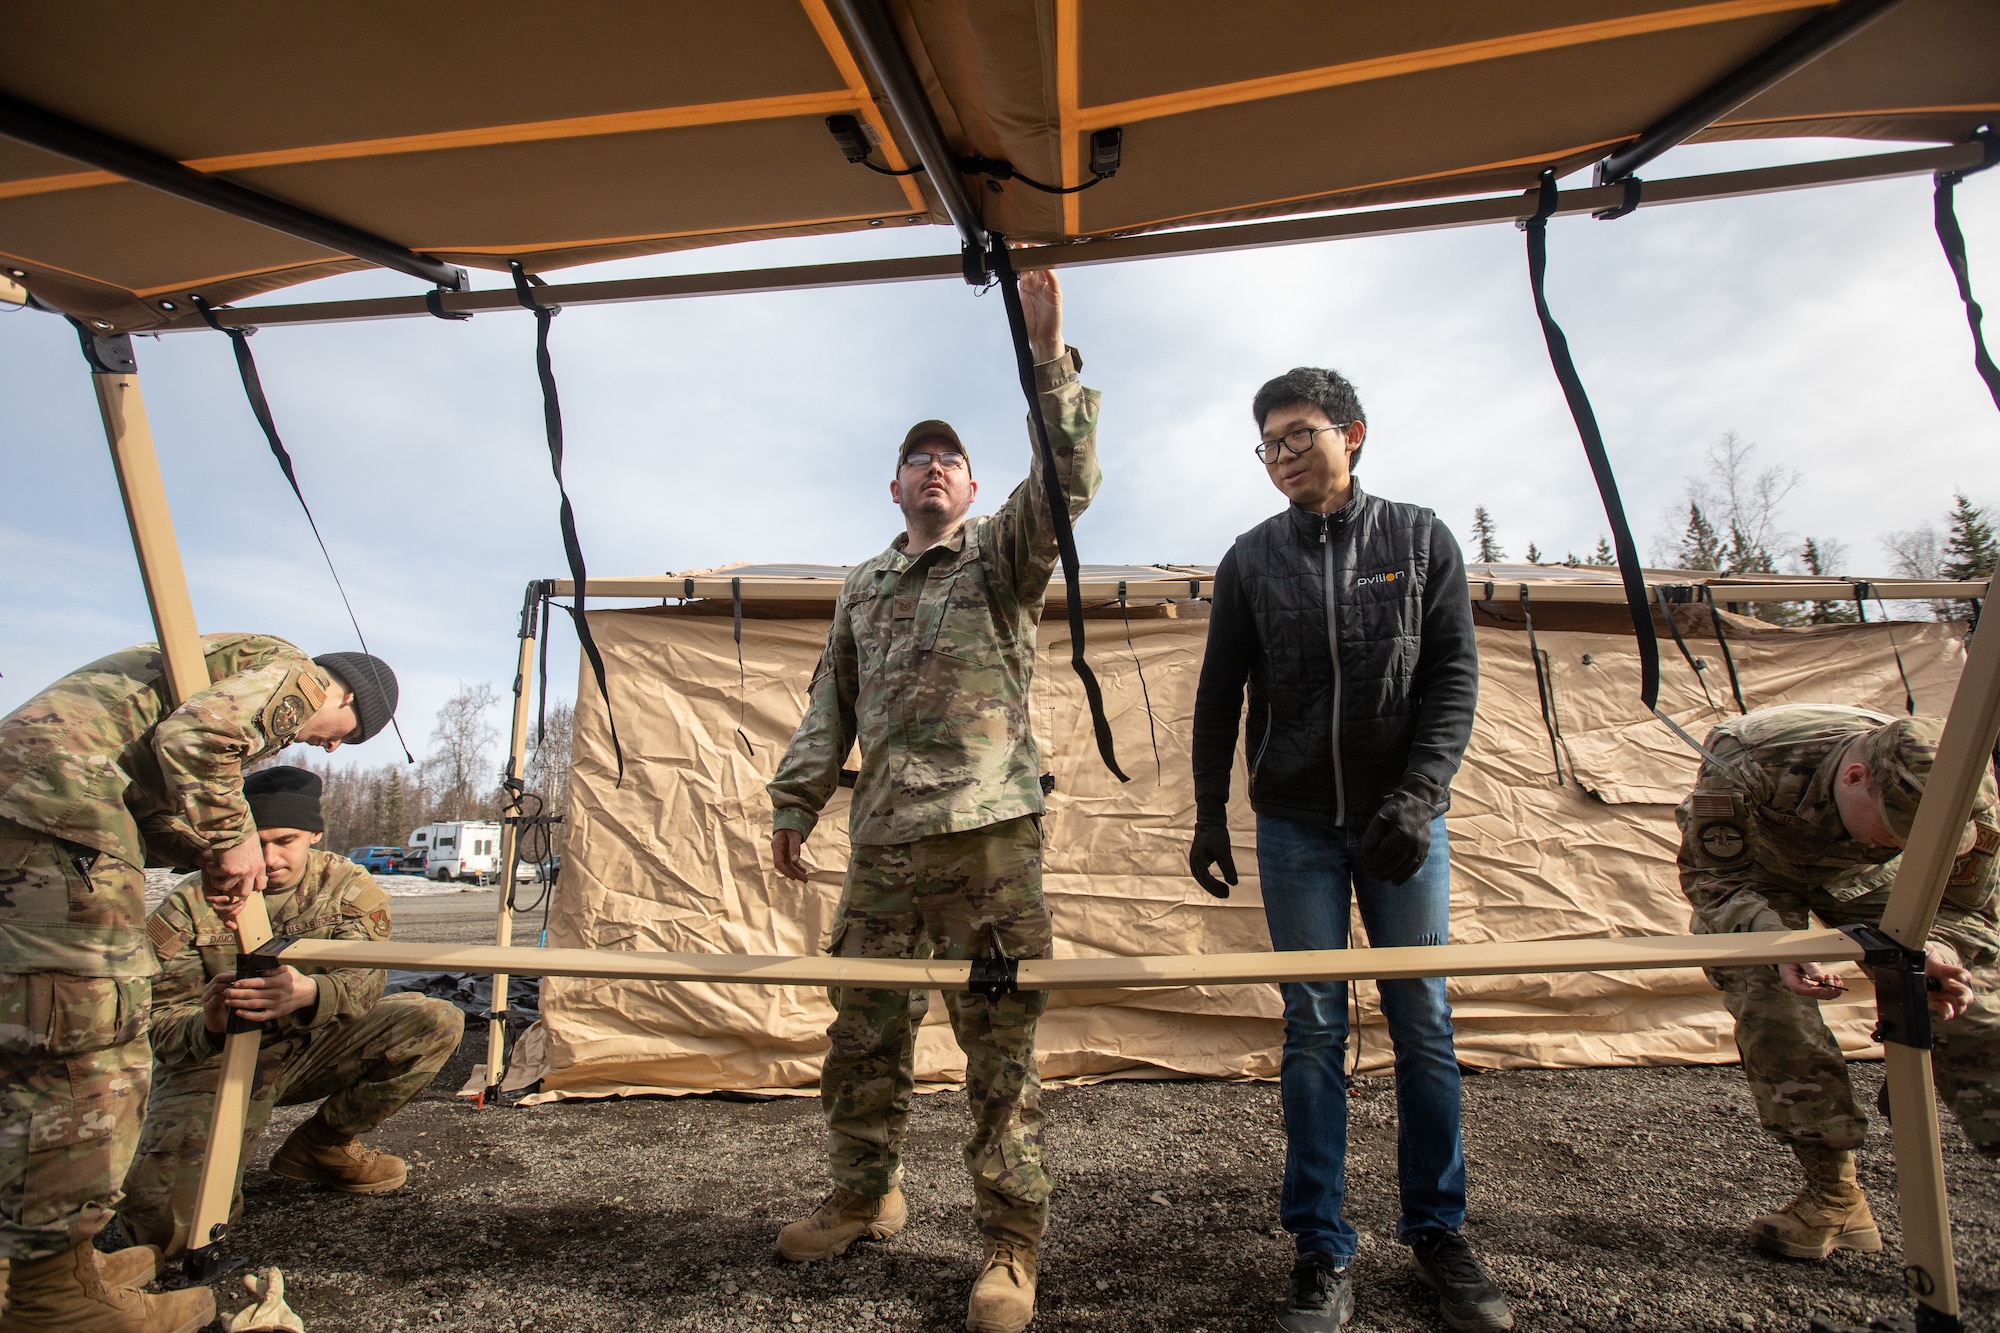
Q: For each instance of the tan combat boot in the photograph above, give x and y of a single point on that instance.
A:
(1003, 1299)
(67, 1294)
(842, 1218)
(1830, 1213)
(317, 1155)
(133, 1266)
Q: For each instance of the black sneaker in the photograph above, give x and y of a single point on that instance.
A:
(1322, 1295)
(1467, 1298)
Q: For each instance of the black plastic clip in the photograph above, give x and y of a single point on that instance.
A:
(261, 961)
(1902, 991)
(434, 302)
(1633, 188)
(996, 974)
(978, 269)
(203, 1264)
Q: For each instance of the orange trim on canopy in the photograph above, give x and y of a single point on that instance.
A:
(864, 100)
(1860, 115)
(1415, 62)
(1069, 31)
(577, 127)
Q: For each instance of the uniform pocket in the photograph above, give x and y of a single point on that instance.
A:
(57, 1015)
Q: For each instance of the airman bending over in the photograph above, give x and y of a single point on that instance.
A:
(328, 1032)
(99, 778)
(1804, 816)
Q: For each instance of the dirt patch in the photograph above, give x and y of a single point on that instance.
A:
(1603, 1199)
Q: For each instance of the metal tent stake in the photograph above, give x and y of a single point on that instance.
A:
(115, 377)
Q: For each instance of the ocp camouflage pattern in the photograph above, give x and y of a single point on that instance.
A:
(930, 658)
(1763, 846)
(367, 1055)
(100, 760)
(958, 895)
(73, 1074)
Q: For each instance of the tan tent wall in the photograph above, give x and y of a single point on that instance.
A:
(677, 857)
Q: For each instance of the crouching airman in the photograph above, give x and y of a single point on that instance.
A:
(327, 1033)
(1802, 813)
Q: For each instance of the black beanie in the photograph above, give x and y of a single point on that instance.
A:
(374, 687)
(284, 797)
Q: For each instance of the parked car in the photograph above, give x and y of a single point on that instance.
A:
(526, 872)
(378, 860)
(412, 862)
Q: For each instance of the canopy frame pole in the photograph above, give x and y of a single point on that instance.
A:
(115, 377)
(874, 31)
(1759, 74)
(513, 782)
(1964, 753)
(52, 133)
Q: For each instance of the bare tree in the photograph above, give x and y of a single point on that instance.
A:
(1917, 553)
(1729, 515)
(460, 743)
(548, 768)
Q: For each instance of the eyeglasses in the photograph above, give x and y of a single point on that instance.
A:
(1295, 442)
(950, 460)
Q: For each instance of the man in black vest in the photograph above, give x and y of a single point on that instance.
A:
(1349, 619)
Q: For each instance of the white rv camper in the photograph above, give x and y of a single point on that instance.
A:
(459, 851)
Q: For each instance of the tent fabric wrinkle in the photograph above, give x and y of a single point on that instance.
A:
(678, 858)
(650, 129)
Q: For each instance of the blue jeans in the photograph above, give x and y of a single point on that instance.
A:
(1307, 874)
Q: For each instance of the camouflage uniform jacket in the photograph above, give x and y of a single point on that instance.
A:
(930, 658)
(98, 758)
(1762, 842)
(334, 900)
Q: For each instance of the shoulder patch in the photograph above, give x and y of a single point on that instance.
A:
(363, 897)
(1723, 842)
(289, 707)
(1712, 805)
(167, 938)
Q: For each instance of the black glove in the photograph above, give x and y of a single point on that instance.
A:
(1211, 846)
(1399, 837)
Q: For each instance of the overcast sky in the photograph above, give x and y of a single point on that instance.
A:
(1821, 325)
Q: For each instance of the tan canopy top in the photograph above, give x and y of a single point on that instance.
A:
(598, 129)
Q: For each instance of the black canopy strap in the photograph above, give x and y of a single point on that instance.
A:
(1629, 571)
(1722, 642)
(1909, 696)
(1695, 664)
(1024, 359)
(524, 292)
(542, 670)
(1953, 240)
(742, 677)
(1145, 694)
(260, 407)
(1544, 688)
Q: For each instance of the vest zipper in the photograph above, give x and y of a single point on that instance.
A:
(1333, 649)
(1263, 745)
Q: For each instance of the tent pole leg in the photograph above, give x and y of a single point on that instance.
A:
(1962, 759)
(115, 378)
(510, 845)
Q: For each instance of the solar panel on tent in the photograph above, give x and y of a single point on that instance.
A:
(594, 130)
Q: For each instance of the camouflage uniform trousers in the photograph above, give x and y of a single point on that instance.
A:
(951, 896)
(366, 1069)
(74, 1064)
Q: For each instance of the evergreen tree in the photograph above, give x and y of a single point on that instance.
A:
(1820, 559)
(1534, 556)
(1603, 555)
(1970, 551)
(1700, 549)
(1486, 536)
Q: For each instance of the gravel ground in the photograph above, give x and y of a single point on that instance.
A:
(1602, 1199)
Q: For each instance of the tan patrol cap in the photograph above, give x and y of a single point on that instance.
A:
(1899, 756)
(932, 430)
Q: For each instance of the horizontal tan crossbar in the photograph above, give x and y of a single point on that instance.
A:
(1553, 589)
(1615, 954)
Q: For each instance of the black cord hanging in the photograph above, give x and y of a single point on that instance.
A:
(260, 407)
(1144, 693)
(524, 292)
(1722, 642)
(1909, 696)
(742, 678)
(1544, 688)
(1695, 664)
(1945, 218)
(1024, 359)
